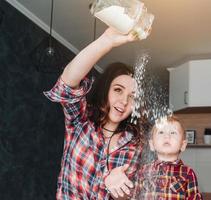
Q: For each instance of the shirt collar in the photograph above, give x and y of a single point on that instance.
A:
(125, 137)
(176, 162)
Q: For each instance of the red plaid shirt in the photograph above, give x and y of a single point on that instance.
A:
(83, 166)
(167, 181)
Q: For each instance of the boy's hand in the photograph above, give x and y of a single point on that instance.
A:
(118, 183)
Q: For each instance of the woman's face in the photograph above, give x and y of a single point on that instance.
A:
(121, 98)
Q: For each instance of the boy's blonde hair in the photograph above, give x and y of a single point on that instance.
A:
(169, 119)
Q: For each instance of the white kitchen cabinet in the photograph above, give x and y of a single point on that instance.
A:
(190, 85)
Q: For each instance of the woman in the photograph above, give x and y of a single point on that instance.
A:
(101, 147)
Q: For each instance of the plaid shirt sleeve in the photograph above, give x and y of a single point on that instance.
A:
(72, 99)
(134, 162)
(192, 187)
(141, 171)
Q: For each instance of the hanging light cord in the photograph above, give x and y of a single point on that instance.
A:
(51, 21)
(95, 26)
(95, 23)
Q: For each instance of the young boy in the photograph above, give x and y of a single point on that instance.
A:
(167, 177)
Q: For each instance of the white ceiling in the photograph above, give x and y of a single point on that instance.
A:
(181, 29)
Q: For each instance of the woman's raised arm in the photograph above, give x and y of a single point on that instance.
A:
(79, 67)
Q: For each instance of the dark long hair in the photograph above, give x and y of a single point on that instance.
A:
(98, 100)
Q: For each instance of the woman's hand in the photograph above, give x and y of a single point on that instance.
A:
(116, 39)
(118, 183)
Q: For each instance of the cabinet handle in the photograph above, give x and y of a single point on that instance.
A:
(186, 97)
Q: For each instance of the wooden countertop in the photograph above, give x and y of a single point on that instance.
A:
(199, 146)
(206, 196)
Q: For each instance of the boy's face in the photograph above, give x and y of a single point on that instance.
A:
(168, 140)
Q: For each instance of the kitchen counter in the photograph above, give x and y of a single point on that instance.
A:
(206, 196)
(199, 146)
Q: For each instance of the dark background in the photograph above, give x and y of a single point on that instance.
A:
(31, 127)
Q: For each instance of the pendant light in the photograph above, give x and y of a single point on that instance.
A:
(48, 56)
(50, 50)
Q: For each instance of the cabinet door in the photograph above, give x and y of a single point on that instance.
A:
(179, 87)
(200, 83)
